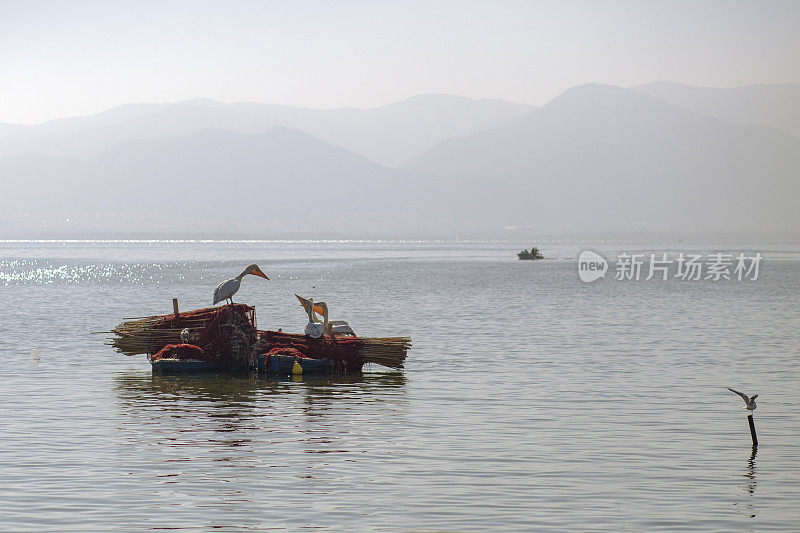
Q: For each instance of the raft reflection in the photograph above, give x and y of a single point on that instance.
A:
(240, 436)
(227, 388)
(238, 410)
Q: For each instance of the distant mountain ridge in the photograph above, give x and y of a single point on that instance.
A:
(387, 135)
(599, 159)
(775, 105)
(613, 157)
(217, 181)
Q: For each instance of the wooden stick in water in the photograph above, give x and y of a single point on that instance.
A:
(752, 429)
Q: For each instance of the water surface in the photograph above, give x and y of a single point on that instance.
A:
(530, 400)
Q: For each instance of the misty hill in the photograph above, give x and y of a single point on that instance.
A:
(393, 133)
(775, 105)
(15, 138)
(597, 159)
(607, 157)
(216, 182)
(388, 135)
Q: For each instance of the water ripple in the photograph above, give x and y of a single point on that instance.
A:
(530, 401)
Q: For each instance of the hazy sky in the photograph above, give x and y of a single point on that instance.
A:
(69, 58)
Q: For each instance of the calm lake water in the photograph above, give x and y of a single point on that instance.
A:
(530, 401)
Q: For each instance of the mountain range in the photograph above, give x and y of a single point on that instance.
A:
(617, 158)
(775, 105)
(661, 158)
(388, 135)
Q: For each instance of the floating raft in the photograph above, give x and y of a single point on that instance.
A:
(227, 339)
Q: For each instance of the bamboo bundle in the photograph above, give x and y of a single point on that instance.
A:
(385, 351)
(149, 334)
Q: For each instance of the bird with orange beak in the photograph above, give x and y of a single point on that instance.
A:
(228, 288)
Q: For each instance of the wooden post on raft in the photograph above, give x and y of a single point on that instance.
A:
(752, 429)
(175, 306)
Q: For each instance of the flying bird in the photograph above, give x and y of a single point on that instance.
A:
(228, 288)
(750, 401)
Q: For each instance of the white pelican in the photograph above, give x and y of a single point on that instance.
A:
(308, 305)
(313, 329)
(333, 326)
(329, 327)
(228, 288)
(750, 401)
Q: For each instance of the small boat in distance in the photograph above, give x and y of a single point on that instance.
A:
(533, 255)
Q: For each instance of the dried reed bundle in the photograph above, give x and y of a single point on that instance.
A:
(149, 334)
(385, 351)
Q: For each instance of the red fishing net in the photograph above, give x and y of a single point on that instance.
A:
(344, 349)
(182, 352)
(293, 352)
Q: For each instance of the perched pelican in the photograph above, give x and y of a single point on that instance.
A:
(308, 305)
(750, 401)
(185, 336)
(329, 327)
(228, 288)
(313, 329)
(333, 326)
